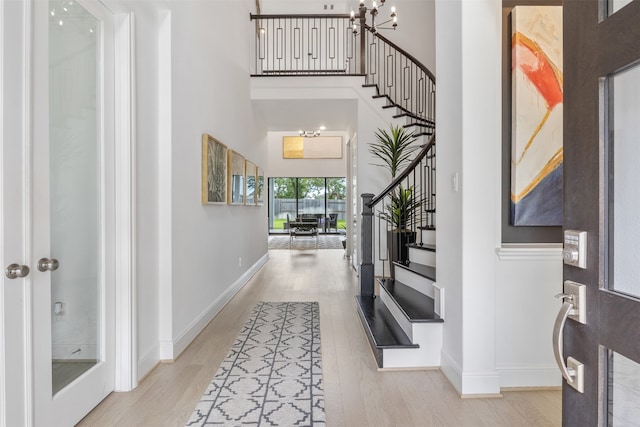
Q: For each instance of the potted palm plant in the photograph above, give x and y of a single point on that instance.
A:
(395, 148)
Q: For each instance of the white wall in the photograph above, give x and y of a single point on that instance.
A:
(213, 246)
(527, 278)
(449, 158)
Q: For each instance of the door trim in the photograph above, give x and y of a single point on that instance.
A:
(3, 385)
(126, 371)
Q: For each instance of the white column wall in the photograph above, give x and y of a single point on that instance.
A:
(449, 209)
(468, 40)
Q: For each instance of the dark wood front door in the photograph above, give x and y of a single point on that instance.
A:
(602, 197)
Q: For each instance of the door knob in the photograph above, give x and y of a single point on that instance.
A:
(45, 264)
(14, 271)
(573, 370)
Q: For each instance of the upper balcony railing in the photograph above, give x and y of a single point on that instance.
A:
(312, 45)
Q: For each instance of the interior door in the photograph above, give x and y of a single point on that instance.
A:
(72, 209)
(602, 198)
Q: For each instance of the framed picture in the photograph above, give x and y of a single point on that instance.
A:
(537, 104)
(214, 171)
(236, 178)
(260, 187)
(250, 181)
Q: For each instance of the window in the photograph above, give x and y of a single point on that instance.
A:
(291, 198)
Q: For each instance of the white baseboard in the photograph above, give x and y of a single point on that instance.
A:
(527, 376)
(480, 384)
(470, 384)
(452, 371)
(149, 361)
(182, 340)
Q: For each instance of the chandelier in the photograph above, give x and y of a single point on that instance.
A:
(309, 133)
(393, 18)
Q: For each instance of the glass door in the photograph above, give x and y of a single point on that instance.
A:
(73, 221)
(601, 198)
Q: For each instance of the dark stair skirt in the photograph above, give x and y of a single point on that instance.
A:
(382, 330)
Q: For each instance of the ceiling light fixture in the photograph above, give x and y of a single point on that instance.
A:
(362, 18)
(309, 133)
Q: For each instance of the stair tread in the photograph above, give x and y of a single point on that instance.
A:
(416, 306)
(382, 329)
(426, 227)
(420, 269)
(422, 246)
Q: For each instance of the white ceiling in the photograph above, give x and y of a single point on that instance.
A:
(293, 115)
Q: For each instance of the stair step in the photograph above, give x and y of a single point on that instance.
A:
(422, 246)
(383, 331)
(419, 269)
(416, 306)
(426, 227)
(389, 106)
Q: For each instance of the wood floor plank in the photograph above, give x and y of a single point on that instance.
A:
(356, 393)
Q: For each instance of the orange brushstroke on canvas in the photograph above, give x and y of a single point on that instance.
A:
(538, 68)
(547, 79)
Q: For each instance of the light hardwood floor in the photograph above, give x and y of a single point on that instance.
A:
(356, 393)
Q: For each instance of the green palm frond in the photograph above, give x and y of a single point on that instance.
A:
(394, 148)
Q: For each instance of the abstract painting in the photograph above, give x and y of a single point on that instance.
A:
(537, 104)
(214, 171)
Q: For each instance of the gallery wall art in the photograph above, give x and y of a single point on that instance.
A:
(322, 147)
(236, 178)
(537, 107)
(250, 182)
(214, 171)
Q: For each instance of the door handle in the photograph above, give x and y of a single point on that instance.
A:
(574, 372)
(13, 271)
(45, 264)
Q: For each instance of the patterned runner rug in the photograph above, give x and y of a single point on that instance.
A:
(324, 242)
(273, 374)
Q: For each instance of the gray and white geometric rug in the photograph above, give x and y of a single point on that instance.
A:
(324, 242)
(273, 374)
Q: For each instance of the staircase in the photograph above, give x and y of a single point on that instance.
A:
(403, 315)
(402, 310)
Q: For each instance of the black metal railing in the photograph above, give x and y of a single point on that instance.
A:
(301, 45)
(401, 78)
(311, 45)
(396, 216)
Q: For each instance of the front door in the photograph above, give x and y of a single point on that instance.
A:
(602, 198)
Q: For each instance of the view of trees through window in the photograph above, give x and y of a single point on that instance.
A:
(324, 198)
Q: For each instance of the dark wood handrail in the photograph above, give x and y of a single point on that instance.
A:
(405, 53)
(294, 16)
(398, 179)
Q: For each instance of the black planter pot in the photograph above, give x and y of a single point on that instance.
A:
(397, 241)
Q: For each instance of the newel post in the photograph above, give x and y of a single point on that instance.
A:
(363, 42)
(366, 247)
